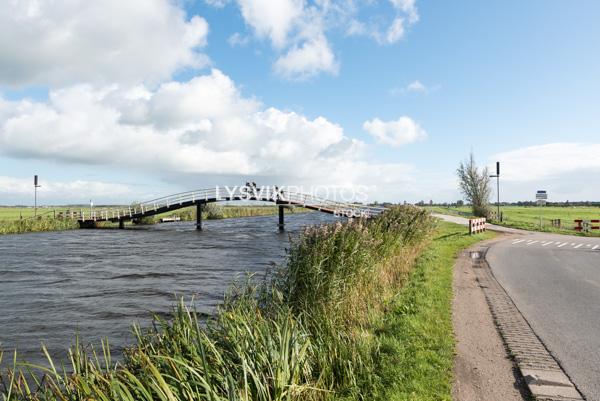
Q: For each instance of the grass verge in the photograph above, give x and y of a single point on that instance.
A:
(417, 344)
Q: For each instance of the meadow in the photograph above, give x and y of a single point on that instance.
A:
(535, 218)
(360, 311)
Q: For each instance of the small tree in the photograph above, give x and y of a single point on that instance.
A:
(475, 185)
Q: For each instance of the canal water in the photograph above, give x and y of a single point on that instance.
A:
(96, 283)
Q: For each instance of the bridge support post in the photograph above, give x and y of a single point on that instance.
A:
(199, 207)
(121, 224)
(281, 218)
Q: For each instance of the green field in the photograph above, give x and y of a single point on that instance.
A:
(535, 218)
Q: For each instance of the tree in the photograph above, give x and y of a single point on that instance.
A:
(475, 185)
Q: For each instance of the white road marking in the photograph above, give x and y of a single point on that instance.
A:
(579, 246)
(557, 242)
(533, 242)
(547, 243)
(517, 241)
(572, 244)
(563, 244)
(588, 245)
(595, 246)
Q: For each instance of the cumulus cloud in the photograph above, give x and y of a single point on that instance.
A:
(202, 127)
(307, 60)
(272, 19)
(61, 43)
(395, 133)
(297, 30)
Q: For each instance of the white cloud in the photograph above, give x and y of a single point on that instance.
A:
(272, 19)
(217, 3)
(408, 7)
(308, 60)
(203, 127)
(396, 30)
(60, 43)
(297, 30)
(416, 86)
(548, 161)
(395, 133)
(237, 39)
(404, 15)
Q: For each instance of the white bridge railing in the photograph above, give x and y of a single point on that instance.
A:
(238, 193)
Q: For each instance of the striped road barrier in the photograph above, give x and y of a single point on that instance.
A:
(586, 225)
(476, 225)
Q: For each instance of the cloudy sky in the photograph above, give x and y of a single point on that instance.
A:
(120, 101)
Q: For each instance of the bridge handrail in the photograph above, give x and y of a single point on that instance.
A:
(235, 193)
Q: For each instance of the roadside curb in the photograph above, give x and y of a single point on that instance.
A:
(542, 374)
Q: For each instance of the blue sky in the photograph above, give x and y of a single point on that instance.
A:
(137, 101)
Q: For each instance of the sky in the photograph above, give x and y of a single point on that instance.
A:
(118, 102)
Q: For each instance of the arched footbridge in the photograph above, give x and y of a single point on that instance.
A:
(199, 198)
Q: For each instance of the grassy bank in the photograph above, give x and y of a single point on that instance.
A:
(535, 218)
(417, 345)
(306, 333)
(12, 223)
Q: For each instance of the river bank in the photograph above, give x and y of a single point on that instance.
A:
(18, 220)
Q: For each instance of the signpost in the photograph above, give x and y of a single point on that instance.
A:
(541, 197)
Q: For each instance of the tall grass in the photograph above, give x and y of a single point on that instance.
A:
(304, 332)
(34, 225)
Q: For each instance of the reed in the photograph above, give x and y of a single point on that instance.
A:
(34, 225)
(304, 332)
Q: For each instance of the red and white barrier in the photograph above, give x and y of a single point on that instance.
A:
(586, 225)
(477, 225)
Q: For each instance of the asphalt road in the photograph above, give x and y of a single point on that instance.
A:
(554, 280)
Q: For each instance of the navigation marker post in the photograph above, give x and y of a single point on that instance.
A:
(35, 186)
(497, 177)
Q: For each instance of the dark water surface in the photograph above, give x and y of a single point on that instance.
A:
(96, 283)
